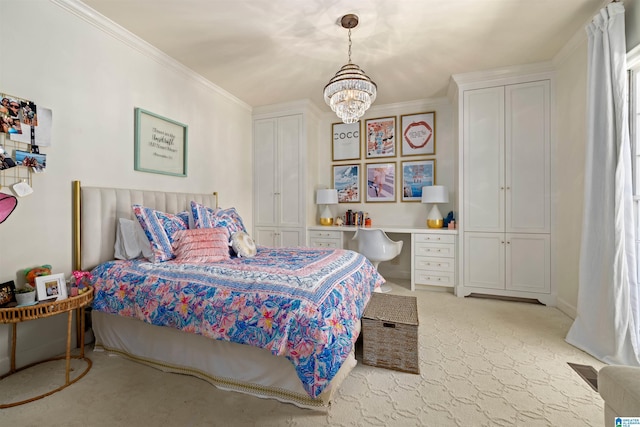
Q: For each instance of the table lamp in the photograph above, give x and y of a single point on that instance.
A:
(435, 194)
(324, 198)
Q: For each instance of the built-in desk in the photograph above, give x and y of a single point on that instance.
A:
(433, 251)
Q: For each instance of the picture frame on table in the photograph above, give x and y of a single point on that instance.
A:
(51, 287)
(415, 175)
(381, 182)
(345, 141)
(380, 137)
(7, 293)
(160, 144)
(346, 179)
(418, 134)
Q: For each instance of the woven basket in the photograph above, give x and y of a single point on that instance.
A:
(390, 333)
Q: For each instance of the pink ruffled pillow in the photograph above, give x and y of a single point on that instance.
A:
(201, 245)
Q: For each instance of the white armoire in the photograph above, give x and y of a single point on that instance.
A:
(279, 180)
(505, 140)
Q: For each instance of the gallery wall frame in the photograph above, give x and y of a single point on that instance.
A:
(345, 141)
(160, 144)
(415, 175)
(418, 134)
(380, 137)
(381, 182)
(346, 179)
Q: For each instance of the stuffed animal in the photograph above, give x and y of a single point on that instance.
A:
(30, 274)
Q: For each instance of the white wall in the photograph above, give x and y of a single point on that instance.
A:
(570, 160)
(92, 81)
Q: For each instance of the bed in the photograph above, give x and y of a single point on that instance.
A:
(281, 324)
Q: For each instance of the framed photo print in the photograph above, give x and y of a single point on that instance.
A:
(415, 175)
(418, 133)
(381, 182)
(51, 287)
(7, 293)
(380, 137)
(346, 179)
(160, 144)
(345, 141)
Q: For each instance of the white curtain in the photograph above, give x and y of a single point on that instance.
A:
(606, 325)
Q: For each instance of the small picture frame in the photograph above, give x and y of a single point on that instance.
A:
(380, 137)
(415, 175)
(381, 182)
(346, 179)
(345, 141)
(418, 134)
(7, 293)
(51, 287)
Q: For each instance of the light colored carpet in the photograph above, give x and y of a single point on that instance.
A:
(482, 362)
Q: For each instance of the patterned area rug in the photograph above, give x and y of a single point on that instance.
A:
(482, 363)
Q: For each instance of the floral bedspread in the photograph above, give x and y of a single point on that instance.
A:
(302, 303)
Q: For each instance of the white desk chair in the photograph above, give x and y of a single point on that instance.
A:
(376, 246)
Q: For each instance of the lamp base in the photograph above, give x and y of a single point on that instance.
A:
(435, 223)
(328, 221)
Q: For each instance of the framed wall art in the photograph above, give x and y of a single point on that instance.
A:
(7, 293)
(381, 182)
(380, 137)
(345, 141)
(418, 133)
(415, 175)
(53, 286)
(346, 179)
(160, 144)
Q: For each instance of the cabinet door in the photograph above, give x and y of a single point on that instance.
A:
(291, 237)
(265, 236)
(265, 177)
(484, 260)
(290, 172)
(527, 148)
(528, 260)
(483, 159)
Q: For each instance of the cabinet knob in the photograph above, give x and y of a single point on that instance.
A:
(502, 242)
(502, 188)
(508, 243)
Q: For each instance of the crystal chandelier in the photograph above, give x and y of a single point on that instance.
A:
(350, 92)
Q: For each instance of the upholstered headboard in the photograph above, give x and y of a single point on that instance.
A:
(97, 209)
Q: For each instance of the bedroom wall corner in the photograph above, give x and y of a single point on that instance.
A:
(569, 178)
(92, 77)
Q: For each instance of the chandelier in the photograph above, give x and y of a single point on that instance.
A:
(350, 92)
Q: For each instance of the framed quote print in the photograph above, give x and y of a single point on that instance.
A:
(346, 179)
(160, 144)
(381, 182)
(380, 137)
(415, 175)
(418, 133)
(345, 141)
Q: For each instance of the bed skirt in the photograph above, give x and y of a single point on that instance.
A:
(226, 365)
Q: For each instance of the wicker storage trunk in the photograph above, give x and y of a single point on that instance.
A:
(390, 333)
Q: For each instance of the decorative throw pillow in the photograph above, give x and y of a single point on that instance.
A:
(160, 228)
(131, 241)
(243, 245)
(201, 245)
(205, 217)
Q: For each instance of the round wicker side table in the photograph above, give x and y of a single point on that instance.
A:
(41, 310)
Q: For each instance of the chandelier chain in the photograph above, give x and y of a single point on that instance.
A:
(349, 45)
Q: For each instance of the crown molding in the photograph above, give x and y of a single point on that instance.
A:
(121, 34)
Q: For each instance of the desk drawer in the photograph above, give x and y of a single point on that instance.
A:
(435, 238)
(437, 278)
(325, 243)
(434, 264)
(446, 250)
(329, 234)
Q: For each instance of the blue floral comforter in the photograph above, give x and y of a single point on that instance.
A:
(301, 303)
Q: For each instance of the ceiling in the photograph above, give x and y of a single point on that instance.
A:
(272, 51)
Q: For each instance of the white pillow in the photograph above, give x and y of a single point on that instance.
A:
(243, 245)
(131, 242)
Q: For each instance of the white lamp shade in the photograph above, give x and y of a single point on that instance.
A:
(327, 197)
(435, 194)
